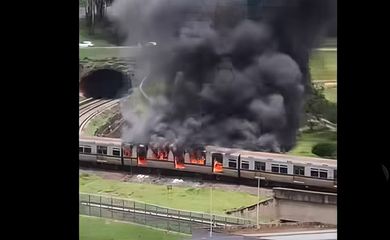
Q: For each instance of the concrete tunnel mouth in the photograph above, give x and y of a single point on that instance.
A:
(103, 83)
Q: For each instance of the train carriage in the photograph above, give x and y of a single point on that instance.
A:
(213, 160)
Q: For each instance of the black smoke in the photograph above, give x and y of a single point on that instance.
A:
(231, 81)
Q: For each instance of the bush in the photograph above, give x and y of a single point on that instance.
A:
(325, 150)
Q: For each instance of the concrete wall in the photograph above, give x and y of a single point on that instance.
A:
(267, 211)
(305, 196)
(295, 205)
(306, 212)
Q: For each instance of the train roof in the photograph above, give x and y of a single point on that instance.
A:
(290, 158)
(102, 140)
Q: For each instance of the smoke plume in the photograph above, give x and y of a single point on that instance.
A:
(232, 79)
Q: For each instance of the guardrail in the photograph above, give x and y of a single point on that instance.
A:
(153, 215)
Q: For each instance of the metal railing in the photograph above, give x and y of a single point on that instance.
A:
(153, 215)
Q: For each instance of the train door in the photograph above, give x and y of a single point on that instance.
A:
(141, 155)
(101, 153)
(127, 150)
(179, 160)
(217, 162)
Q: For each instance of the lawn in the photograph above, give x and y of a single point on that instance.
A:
(98, 53)
(331, 94)
(99, 121)
(308, 139)
(323, 65)
(183, 198)
(92, 228)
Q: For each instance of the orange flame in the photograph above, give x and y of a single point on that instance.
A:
(194, 159)
(218, 168)
(141, 161)
(179, 163)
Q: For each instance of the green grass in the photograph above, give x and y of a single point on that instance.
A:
(98, 53)
(323, 65)
(331, 94)
(308, 139)
(92, 228)
(183, 198)
(99, 121)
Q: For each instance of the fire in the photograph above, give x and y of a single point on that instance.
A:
(141, 161)
(199, 160)
(160, 154)
(218, 168)
(179, 162)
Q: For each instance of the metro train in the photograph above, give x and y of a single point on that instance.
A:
(211, 160)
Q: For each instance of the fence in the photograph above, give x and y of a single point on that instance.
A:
(152, 215)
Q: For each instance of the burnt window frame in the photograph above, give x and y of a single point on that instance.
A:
(262, 164)
(297, 167)
(335, 174)
(99, 150)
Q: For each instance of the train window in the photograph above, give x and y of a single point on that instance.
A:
(260, 166)
(314, 172)
(275, 168)
(298, 170)
(245, 165)
(102, 150)
(335, 174)
(87, 150)
(116, 152)
(232, 163)
(323, 173)
(283, 169)
(84, 149)
(279, 168)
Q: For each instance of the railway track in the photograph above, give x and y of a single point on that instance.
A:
(91, 108)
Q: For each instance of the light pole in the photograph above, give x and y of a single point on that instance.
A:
(258, 199)
(211, 211)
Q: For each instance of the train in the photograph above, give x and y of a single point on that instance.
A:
(233, 163)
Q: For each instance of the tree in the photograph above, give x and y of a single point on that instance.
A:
(325, 150)
(95, 12)
(317, 106)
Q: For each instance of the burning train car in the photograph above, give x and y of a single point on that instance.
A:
(213, 160)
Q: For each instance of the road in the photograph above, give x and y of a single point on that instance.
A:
(308, 235)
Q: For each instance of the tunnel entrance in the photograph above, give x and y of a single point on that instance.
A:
(103, 83)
